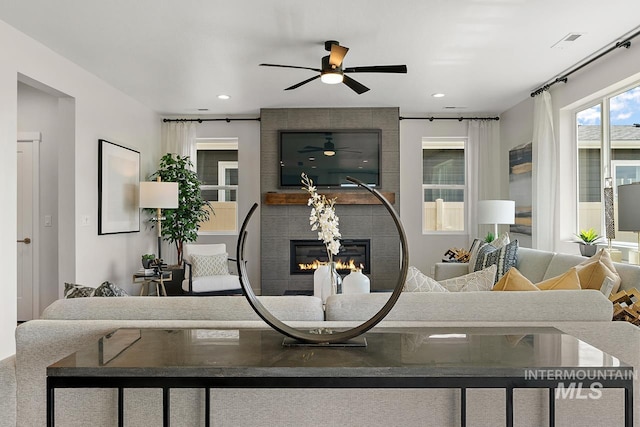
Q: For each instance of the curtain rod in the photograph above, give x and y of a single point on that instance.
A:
(626, 43)
(210, 120)
(449, 118)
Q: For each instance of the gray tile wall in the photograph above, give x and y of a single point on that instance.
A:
(279, 224)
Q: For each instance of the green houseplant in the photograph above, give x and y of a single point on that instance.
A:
(181, 225)
(588, 240)
(147, 260)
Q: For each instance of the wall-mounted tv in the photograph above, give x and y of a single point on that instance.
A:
(329, 156)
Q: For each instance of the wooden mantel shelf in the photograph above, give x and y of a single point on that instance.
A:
(342, 198)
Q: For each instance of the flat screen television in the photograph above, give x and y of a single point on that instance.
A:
(329, 156)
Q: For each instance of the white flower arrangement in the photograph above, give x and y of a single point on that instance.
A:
(323, 218)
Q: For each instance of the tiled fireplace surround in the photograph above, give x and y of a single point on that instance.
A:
(281, 223)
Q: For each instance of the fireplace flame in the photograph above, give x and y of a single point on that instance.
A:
(340, 265)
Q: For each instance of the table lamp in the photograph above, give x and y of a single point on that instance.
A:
(629, 214)
(496, 212)
(159, 195)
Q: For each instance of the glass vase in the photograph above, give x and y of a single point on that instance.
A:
(336, 280)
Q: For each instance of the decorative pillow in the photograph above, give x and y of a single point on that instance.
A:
(568, 280)
(418, 282)
(501, 240)
(210, 265)
(513, 280)
(593, 271)
(108, 289)
(477, 281)
(71, 290)
(473, 253)
(504, 258)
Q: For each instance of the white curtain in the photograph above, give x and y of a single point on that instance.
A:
(483, 167)
(545, 153)
(180, 138)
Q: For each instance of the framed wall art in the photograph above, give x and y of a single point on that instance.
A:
(118, 183)
(521, 187)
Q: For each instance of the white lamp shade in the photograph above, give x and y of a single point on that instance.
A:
(629, 207)
(162, 195)
(496, 212)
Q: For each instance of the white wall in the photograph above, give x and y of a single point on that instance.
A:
(612, 72)
(424, 249)
(99, 111)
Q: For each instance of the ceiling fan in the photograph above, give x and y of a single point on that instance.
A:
(333, 73)
(328, 148)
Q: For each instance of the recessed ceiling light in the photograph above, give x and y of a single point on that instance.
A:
(438, 95)
(311, 159)
(223, 97)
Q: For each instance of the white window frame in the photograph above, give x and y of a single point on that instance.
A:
(222, 177)
(220, 144)
(435, 143)
(606, 146)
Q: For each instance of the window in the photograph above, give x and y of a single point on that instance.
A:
(217, 167)
(609, 150)
(443, 185)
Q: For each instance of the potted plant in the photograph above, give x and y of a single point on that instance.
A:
(147, 260)
(181, 225)
(588, 241)
(490, 237)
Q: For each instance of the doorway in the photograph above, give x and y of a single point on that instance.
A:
(28, 296)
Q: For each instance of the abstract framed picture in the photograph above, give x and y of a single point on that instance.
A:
(521, 186)
(118, 183)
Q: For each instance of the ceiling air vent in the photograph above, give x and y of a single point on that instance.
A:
(567, 41)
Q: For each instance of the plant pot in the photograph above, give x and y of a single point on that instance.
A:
(146, 263)
(174, 287)
(588, 250)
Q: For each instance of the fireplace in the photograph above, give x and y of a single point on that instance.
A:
(307, 254)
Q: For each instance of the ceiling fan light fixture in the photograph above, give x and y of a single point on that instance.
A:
(331, 77)
(329, 153)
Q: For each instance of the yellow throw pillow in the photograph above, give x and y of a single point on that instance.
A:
(593, 271)
(513, 280)
(568, 280)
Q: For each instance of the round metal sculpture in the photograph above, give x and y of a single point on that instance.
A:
(323, 338)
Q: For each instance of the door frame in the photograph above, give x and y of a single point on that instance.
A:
(35, 138)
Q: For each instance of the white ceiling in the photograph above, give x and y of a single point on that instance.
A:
(177, 56)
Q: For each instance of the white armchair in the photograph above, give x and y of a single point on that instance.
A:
(207, 271)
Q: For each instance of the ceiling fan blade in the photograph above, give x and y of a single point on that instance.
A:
(310, 149)
(359, 88)
(377, 69)
(290, 66)
(297, 85)
(342, 150)
(337, 54)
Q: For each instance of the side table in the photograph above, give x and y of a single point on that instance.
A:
(156, 279)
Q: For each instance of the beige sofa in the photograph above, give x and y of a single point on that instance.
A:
(537, 265)
(69, 324)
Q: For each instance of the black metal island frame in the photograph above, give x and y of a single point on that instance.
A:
(394, 358)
